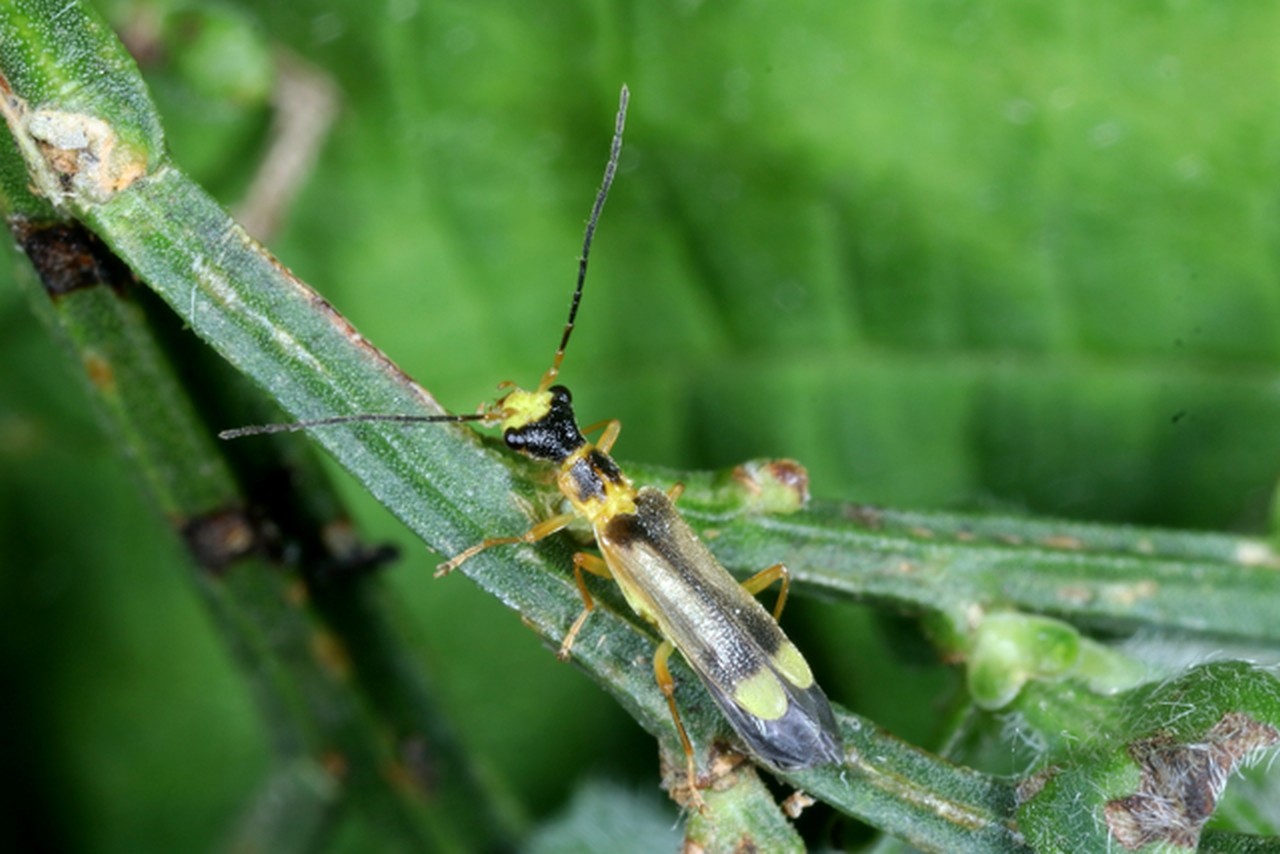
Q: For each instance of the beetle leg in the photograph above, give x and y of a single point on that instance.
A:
(595, 566)
(595, 425)
(764, 578)
(540, 531)
(612, 428)
(674, 493)
(668, 687)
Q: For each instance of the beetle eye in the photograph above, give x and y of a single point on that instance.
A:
(562, 394)
(514, 438)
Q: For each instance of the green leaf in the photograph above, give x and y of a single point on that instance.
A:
(946, 255)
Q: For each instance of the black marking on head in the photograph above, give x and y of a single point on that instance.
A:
(552, 437)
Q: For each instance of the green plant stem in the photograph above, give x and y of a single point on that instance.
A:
(300, 658)
(338, 692)
(945, 563)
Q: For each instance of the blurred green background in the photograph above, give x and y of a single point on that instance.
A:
(946, 254)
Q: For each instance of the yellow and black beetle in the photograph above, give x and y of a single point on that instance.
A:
(755, 674)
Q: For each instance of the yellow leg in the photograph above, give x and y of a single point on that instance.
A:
(764, 578)
(595, 566)
(668, 687)
(612, 428)
(594, 426)
(674, 493)
(540, 531)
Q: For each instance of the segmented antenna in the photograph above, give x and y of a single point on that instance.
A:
(549, 377)
(295, 426)
(609, 170)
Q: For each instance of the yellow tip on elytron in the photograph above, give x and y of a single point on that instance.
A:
(762, 695)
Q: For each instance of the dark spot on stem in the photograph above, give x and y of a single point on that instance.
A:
(216, 540)
(419, 762)
(100, 372)
(1029, 787)
(67, 256)
(869, 517)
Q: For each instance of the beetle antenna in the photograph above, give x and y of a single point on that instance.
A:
(294, 426)
(609, 170)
